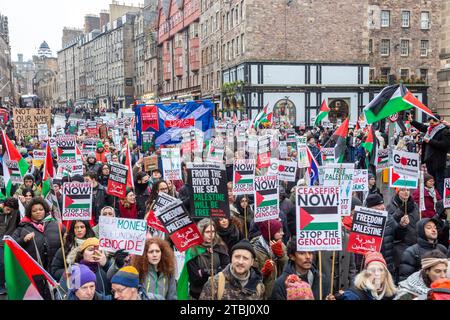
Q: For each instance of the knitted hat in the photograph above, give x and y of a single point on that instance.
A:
(91, 154)
(89, 242)
(274, 225)
(356, 202)
(296, 289)
(373, 256)
(100, 144)
(244, 245)
(81, 275)
(373, 200)
(127, 277)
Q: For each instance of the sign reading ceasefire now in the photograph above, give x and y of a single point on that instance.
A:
(27, 120)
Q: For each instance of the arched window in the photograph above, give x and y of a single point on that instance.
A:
(284, 111)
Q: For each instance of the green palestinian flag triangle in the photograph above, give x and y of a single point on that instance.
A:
(340, 136)
(324, 110)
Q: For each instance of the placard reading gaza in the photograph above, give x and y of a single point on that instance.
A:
(244, 174)
(404, 170)
(266, 198)
(208, 183)
(182, 230)
(117, 183)
(367, 230)
(318, 219)
(77, 201)
(122, 234)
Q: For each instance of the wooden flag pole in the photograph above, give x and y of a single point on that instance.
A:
(245, 219)
(332, 272)
(320, 275)
(212, 259)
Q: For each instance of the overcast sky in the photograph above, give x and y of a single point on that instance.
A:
(33, 21)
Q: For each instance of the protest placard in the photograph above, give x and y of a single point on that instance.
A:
(66, 150)
(208, 184)
(327, 155)
(318, 219)
(382, 159)
(303, 161)
(287, 170)
(42, 132)
(171, 164)
(244, 174)
(14, 172)
(161, 201)
(283, 149)
(148, 141)
(216, 150)
(91, 128)
(340, 175)
(122, 234)
(117, 182)
(181, 228)
(38, 158)
(404, 170)
(150, 163)
(26, 120)
(52, 141)
(264, 152)
(367, 230)
(77, 201)
(447, 193)
(360, 180)
(266, 198)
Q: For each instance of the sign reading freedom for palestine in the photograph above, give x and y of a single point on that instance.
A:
(208, 183)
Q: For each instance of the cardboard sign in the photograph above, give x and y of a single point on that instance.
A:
(38, 158)
(77, 201)
(208, 183)
(182, 230)
(244, 174)
(27, 120)
(383, 159)
(117, 182)
(287, 170)
(447, 193)
(327, 155)
(318, 219)
(66, 150)
(122, 234)
(361, 180)
(43, 132)
(404, 170)
(171, 163)
(266, 198)
(340, 175)
(367, 230)
(150, 163)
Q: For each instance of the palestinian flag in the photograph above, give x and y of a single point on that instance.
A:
(244, 177)
(49, 172)
(77, 201)
(12, 156)
(390, 100)
(183, 280)
(267, 198)
(25, 278)
(340, 136)
(401, 181)
(319, 218)
(66, 150)
(324, 109)
(263, 116)
(371, 147)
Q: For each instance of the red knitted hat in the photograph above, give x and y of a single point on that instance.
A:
(373, 256)
(274, 225)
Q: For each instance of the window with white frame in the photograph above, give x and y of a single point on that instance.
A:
(385, 18)
(404, 47)
(424, 48)
(385, 47)
(424, 20)
(405, 19)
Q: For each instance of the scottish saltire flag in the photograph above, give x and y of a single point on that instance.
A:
(168, 121)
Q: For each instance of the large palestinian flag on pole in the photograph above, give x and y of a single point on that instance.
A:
(25, 278)
(324, 109)
(371, 147)
(390, 100)
(49, 172)
(340, 136)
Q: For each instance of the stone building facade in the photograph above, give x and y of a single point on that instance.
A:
(444, 55)
(23, 73)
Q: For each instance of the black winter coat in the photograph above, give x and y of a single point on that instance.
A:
(47, 243)
(8, 224)
(99, 200)
(411, 258)
(397, 211)
(393, 232)
(230, 236)
(141, 199)
(435, 151)
(279, 289)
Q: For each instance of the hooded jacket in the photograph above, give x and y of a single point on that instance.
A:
(159, 284)
(393, 232)
(279, 289)
(411, 258)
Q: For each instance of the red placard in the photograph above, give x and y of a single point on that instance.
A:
(117, 189)
(149, 118)
(153, 222)
(187, 237)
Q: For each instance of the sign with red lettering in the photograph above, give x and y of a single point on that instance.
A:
(149, 118)
(117, 182)
(122, 234)
(367, 230)
(318, 219)
(179, 123)
(182, 229)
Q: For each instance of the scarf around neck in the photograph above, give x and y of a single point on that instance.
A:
(38, 225)
(432, 130)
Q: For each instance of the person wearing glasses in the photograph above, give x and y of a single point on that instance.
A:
(374, 283)
(125, 286)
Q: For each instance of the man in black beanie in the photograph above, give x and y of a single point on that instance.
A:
(239, 280)
(393, 231)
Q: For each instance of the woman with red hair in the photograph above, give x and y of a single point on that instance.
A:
(157, 269)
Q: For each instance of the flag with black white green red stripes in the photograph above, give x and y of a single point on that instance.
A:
(67, 153)
(266, 198)
(77, 201)
(243, 176)
(318, 219)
